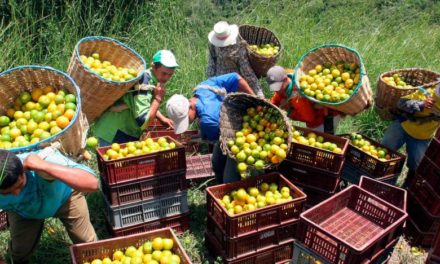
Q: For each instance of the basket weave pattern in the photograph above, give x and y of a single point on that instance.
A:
(362, 97)
(258, 36)
(231, 118)
(98, 93)
(26, 78)
(388, 95)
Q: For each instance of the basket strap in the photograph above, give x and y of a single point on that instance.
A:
(219, 91)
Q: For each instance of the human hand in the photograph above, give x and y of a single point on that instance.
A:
(159, 91)
(428, 103)
(33, 162)
(168, 122)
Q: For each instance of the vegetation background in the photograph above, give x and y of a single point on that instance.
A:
(389, 34)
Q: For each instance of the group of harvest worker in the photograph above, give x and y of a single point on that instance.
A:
(38, 185)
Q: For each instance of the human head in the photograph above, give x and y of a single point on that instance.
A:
(163, 65)
(11, 173)
(178, 111)
(275, 78)
(223, 34)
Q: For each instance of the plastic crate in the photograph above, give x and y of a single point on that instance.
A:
(3, 220)
(275, 254)
(184, 138)
(259, 219)
(315, 157)
(392, 179)
(179, 223)
(390, 193)
(311, 176)
(146, 189)
(370, 166)
(433, 150)
(142, 166)
(422, 218)
(253, 243)
(430, 172)
(417, 237)
(314, 195)
(87, 252)
(437, 135)
(199, 167)
(423, 191)
(155, 125)
(146, 211)
(351, 226)
(352, 174)
(304, 255)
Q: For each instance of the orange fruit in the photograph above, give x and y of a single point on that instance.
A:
(62, 108)
(158, 243)
(69, 114)
(36, 93)
(62, 122)
(10, 112)
(48, 89)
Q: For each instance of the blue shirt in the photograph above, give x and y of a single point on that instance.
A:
(209, 103)
(39, 198)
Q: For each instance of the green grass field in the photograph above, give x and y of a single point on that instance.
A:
(389, 34)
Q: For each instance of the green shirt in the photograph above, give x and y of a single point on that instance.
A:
(132, 120)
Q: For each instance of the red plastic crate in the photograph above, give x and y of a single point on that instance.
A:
(423, 191)
(430, 172)
(314, 195)
(417, 237)
(275, 254)
(141, 190)
(87, 252)
(351, 226)
(3, 220)
(199, 167)
(184, 138)
(433, 151)
(155, 124)
(370, 166)
(437, 135)
(259, 219)
(311, 176)
(390, 193)
(318, 158)
(422, 218)
(179, 223)
(142, 166)
(253, 243)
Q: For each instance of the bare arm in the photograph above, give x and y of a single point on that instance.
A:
(164, 120)
(244, 87)
(159, 93)
(78, 179)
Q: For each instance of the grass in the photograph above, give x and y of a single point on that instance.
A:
(389, 34)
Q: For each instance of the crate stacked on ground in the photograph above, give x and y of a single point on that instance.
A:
(314, 169)
(353, 226)
(434, 254)
(424, 198)
(118, 248)
(146, 191)
(199, 168)
(3, 220)
(260, 235)
(380, 163)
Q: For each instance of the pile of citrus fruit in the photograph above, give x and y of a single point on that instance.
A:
(35, 116)
(365, 145)
(331, 83)
(157, 251)
(397, 80)
(311, 139)
(108, 71)
(262, 139)
(137, 148)
(241, 200)
(267, 50)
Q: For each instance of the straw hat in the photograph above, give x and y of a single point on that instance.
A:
(223, 34)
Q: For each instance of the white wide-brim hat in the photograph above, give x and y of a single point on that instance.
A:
(223, 34)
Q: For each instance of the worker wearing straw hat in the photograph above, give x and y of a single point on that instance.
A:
(39, 185)
(206, 105)
(130, 115)
(228, 54)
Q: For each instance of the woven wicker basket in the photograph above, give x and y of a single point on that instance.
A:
(258, 36)
(387, 95)
(362, 97)
(231, 118)
(98, 93)
(25, 78)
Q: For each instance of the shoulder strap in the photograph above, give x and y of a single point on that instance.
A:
(219, 91)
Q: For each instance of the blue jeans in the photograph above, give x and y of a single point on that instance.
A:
(224, 167)
(395, 137)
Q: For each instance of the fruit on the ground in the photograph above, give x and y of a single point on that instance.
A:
(135, 148)
(92, 142)
(106, 70)
(267, 50)
(330, 82)
(397, 80)
(261, 141)
(147, 253)
(313, 140)
(252, 198)
(368, 147)
(36, 115)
